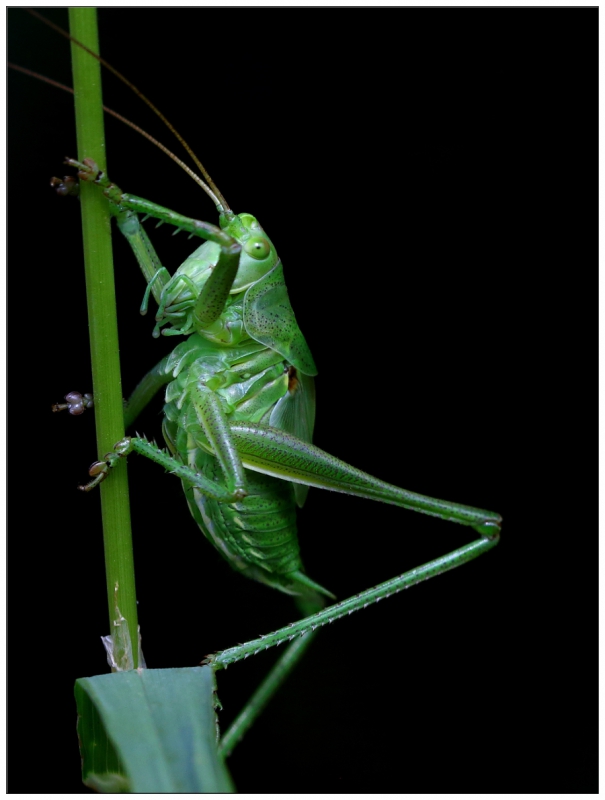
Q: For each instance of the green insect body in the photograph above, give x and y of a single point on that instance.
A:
(240, 404)
(257, 534)
(255, 360)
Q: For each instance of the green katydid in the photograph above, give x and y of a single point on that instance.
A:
(239, 416)
(249, 439)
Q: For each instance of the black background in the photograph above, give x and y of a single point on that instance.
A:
(429, 180)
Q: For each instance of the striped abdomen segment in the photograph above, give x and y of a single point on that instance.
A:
(256, 535)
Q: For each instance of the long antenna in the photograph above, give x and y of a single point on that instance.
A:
(214, 188)
(130, 124)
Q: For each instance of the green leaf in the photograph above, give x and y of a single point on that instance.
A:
(150, 731)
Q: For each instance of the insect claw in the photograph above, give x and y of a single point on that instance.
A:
(76, 403)
(68, 186)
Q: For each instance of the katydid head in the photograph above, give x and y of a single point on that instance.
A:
(200, 295)
(233, 287)
(258, 254)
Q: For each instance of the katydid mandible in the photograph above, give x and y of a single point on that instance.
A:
(239, 416)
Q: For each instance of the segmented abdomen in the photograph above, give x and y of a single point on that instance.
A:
(257, 535)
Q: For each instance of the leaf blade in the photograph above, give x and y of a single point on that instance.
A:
(158, 731)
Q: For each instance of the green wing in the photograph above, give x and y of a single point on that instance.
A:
(269, 319)
(295, 414)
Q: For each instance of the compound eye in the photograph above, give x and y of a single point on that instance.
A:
(257, 247)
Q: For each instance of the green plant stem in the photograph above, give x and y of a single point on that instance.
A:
(104, 349)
